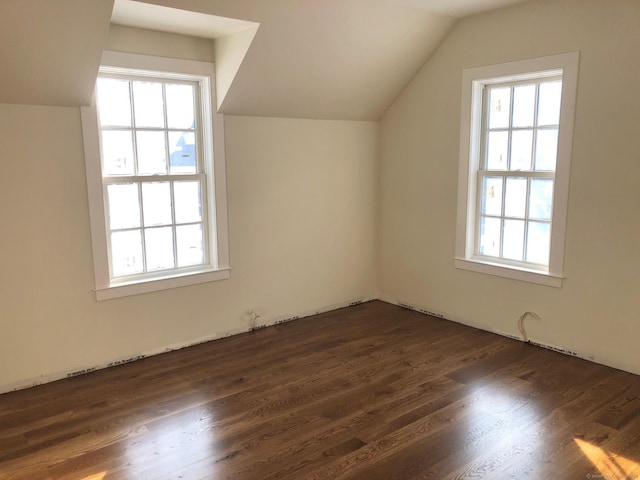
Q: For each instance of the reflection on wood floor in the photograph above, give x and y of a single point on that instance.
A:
(372, 391)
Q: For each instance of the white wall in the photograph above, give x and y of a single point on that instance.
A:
(301, 197)
(159, 44)
(596, 312)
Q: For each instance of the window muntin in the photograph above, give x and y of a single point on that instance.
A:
(153, 175)
(516, 172)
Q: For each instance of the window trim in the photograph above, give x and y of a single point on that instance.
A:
(473, 82)
(217, 267)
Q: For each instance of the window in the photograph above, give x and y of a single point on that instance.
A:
(515, 148)
(155, 171)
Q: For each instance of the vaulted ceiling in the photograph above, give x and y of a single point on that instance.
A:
(334, 59)
(50, 50)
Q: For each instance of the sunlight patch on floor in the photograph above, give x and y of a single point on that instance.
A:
(609, 464)
(97, 476)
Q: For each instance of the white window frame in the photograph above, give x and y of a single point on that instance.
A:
(474, 81)
(216, 265)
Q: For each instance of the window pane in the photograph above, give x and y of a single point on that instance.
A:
(521, 147)
(549, 103)
(152, 156)
(497, 148)
(190, 245)
(117, 153)
(180, 103)
(546, 149)
(524, 100)
(159, 248)
(492, 196)
(489, 236)
(513, 239)
(114, 104)
(188, 202)
(148, 105)
(499, 104)
(541, 198)
(126, 253)
(156, 203)
(538, 238)
(182, 152)
(515, 200)
(124, 206)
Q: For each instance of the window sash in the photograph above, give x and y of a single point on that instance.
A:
(526, 218)
(201, 179)
(139, 179)
(164, 80)
(535, 128)
(483, 172)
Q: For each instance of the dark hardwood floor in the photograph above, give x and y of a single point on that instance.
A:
(367, 392)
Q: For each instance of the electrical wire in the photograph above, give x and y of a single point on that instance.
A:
(523, 317)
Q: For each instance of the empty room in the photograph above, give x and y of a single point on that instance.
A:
(319, 239)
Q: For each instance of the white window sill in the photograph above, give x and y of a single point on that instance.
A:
(531, 276)
(155, 285)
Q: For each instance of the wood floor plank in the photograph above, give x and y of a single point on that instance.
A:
(372, 391)
(623, 408)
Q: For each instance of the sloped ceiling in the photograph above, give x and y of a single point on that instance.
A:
(50, 50)
(341, 59)
(232, 36)
(333, 59)
(456, 8)
(156, 17)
